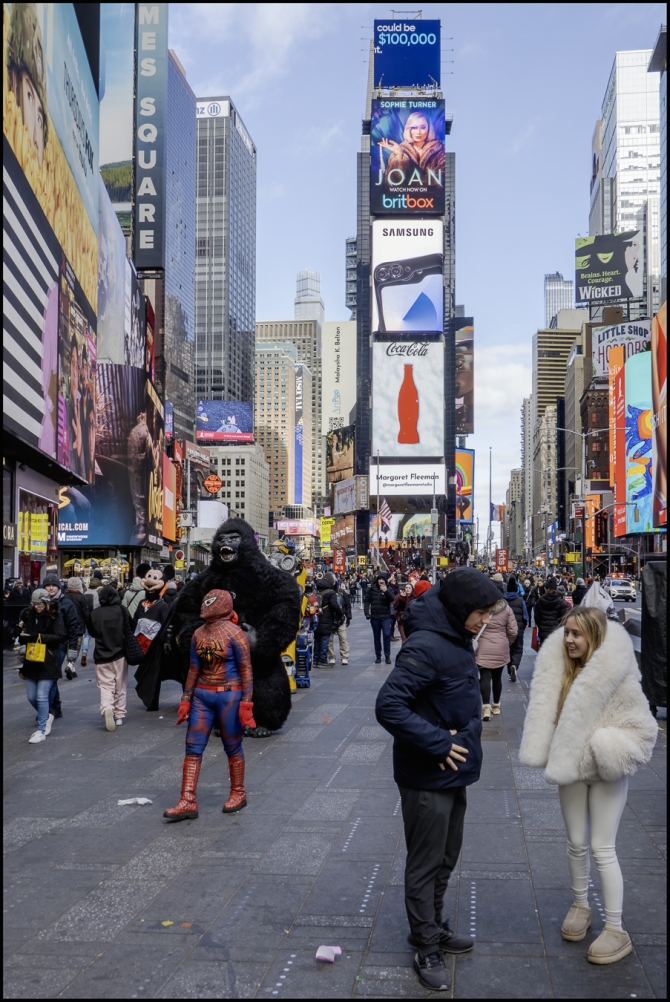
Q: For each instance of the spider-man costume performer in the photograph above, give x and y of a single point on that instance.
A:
(218, 692)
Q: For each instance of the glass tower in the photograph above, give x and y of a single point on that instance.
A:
(308, 304)
(225, 273)
(558, 295)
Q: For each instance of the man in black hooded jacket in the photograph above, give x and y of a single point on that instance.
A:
(549, 610)
(431, 705)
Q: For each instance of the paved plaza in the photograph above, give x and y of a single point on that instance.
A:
(108, 901)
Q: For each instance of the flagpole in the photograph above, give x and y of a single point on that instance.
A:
(490, 539)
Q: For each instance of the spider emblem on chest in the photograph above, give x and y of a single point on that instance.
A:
(210, 650)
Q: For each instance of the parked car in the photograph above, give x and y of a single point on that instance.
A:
(621, 588)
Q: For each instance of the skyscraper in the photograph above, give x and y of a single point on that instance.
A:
(659, 64)
(308, 304)
(275, 414)
(350, 273)
(631, 161)
(225, 273)
(558, 295)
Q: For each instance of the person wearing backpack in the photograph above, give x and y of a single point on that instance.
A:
(518, 607)
(110, 626)
(330, 617)
(344, 602)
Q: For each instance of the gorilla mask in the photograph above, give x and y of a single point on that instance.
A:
(233, 542)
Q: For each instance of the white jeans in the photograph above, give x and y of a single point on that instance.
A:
(592, 812)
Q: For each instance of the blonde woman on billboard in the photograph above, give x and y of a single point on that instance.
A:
(634, 258)
(419, 149)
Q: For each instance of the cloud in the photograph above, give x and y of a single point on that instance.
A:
(521, 139)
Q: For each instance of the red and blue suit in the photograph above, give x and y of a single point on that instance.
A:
(218, 693)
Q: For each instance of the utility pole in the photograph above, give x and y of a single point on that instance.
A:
(379, 518)
(188, 508)
(433, 518)
(490, 538)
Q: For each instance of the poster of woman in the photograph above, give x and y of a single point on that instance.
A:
(407, 156)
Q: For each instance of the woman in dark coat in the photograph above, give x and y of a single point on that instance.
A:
(42, 623)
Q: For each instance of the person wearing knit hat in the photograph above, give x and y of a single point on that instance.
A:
(74, 625)
(42, 627)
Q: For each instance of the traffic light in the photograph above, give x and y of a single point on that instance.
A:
(601, 528)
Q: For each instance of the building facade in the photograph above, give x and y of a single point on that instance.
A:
(275, 412)
(559, 294)
(245, 477)
(305, 336)
(527, 467)
(308, 304)
(304, 432)
(659, 64)
(225, 273)
(545, 479)
(514, 515)
(350, 275)
(574, 389)
(631, 163)
(551, 350)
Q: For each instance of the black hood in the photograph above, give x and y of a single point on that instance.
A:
(323, 585)
(427, 613)
(465, 590)
(109, 596)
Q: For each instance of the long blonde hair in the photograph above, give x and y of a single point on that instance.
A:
(593, 624)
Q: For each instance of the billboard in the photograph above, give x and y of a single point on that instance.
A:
(303, 425)
(135, 323)
(338, 373)
(407, 395)
(400, 530)
(299, 526)
(125, 505)
(620, 451)
(413, 478)
(609, 267)
(343, 532)
(340, 454)
(615, 362)
(76, 378)
(326, 527)
(224, 421)
(633, 337)
(407, 137)
(465, 481)
(638, 443)
(408, 281)
(406, 53)
(150, 114)
(659, 404)
(169, 499)
(50, 119)
(112, 266)
(464, 335)
(345, 495)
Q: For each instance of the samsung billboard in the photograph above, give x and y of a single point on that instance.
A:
(408, 279)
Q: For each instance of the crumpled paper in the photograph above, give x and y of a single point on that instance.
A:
(135, 800)
(328, 953)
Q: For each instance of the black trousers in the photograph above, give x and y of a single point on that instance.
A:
(433, 822)
(487, 677)
(516, 649)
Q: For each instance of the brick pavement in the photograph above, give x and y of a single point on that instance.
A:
(105, 901)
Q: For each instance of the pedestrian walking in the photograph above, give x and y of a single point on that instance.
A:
(42, 633)
(549, 610)
(378, 608)
(135, 592)
(74, 626)
(401, 604)
(588, 724)
(75, 593)
(330, 617)
(344, 602)
(110, 626)
(493, 654)
(430, 704)
(579, 592)
(518, 607)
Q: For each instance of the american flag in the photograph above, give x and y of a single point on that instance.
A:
(384, 516)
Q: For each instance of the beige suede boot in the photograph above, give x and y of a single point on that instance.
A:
(610, 946)
(486, 711)
(495, 707)
(576, 923)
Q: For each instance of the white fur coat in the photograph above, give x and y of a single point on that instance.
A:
(605, 730)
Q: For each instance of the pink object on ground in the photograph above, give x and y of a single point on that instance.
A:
(328, 953)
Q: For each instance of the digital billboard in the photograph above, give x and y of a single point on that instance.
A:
(400, 530)
(169, 499)
(50, 119)
(343, 532)
(620, 450)
(299, 526)
(406, 53)
(150, 114)
(345, 495)
(407, 395)
(633, 337)
(609, 267)
(338, 373)
(638, 443)
(303, 429)
(408, 282)
(340, 454)
(225, 421)
(326, 527)
(77, 418)
(465, 480)
(464, 335)
(408, 479)
(659, 402)
(124, 507)
(407, 156)
(135, 323)
(615, 360)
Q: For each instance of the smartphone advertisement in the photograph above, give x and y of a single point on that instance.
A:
(408, 282)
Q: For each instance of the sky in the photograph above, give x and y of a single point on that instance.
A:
(524, 83)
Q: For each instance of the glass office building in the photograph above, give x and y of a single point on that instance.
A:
(225, 274)
(558, 295)
(179, 303)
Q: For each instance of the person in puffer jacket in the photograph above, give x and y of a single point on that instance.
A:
(493, 653)
(378, 608)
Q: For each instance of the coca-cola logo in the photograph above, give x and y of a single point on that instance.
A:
(410, 349)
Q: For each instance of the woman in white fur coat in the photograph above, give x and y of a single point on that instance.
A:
(589, 725)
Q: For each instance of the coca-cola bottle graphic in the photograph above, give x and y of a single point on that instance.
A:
(408, 409)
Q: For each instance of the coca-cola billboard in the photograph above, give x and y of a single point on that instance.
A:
(407, 395)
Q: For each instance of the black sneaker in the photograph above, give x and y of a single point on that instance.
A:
(512, 674)
(432, 972)
(450, 941)
(388, 661)
(378, 661)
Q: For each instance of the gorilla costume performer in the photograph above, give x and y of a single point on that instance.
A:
(267, 603)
